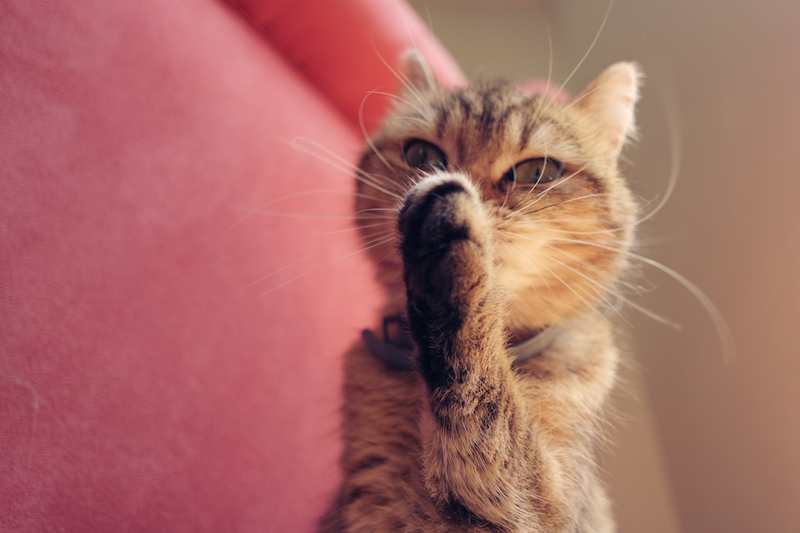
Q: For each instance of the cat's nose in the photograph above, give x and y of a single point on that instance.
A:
(430, 184)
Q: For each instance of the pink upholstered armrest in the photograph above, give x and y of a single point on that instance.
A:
(177, 278)
(349, 49)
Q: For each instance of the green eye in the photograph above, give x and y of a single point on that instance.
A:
(424, 155)
(534, 171)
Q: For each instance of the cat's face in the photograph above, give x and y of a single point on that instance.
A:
(547, 174)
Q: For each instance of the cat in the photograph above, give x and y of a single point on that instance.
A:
(499, 224)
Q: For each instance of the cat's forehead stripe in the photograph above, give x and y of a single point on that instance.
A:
(489, 122)
(444, 114)
(524, 137)
(490, 126)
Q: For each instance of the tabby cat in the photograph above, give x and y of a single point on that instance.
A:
(478, 406)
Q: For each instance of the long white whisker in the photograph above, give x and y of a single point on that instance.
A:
(577, 260)
(513, 184)
(641, 309)
(371, 210)
(375, 238)
(724, 333)
(405, 101)
(283, 214)
(558, 182)
(381, 224)
(541, 276)
(591, 46)
(251, 212)
(567, 285)
(576, 100)
(538, 179)
(550, 61)
(561, 203)
(325, 263)
(409, 87)
(367, 137)
(675, 155)
(343, 165)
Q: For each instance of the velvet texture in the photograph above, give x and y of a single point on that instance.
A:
(177, 276)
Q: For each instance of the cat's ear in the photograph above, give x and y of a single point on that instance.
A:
(610, 101)
(416, 72)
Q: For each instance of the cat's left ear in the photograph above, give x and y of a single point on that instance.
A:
(416, 72)
(610, 101)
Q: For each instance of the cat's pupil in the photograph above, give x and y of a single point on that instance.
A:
(424, 155)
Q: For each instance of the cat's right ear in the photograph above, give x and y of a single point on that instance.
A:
(610, 101)
(417, 75)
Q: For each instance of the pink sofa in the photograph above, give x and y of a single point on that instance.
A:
(175, 293)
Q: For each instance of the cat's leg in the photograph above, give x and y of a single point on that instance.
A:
(481, 460)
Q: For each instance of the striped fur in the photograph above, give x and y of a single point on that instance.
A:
(468, 442)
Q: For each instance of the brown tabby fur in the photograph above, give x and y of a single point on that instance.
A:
(469, 442)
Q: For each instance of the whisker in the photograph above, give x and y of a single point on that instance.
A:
(591, 46)
(567, 285)
(325, 263)
(256, 211)
(537, 179)
(350, 229)
(562, 202)
(541, 276)
(558, 182)
(675, 156)
(366, 134)
(538, 112)
(540, 224)
(372, 211)
(576, 100)
(598, 293)
(513, 184)
(405, 101)
(550, 60)
(402, 78)
(343, 165)
(724, 333)
(251, 212)
(583, 263)
(409, 33)
(640, 308)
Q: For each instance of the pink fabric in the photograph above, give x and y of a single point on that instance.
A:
(356, 55)
(169, 343)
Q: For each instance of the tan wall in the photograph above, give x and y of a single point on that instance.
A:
(714, 443)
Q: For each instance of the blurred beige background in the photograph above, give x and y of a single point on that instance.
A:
(712, 443)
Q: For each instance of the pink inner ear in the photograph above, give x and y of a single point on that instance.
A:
(537, 87)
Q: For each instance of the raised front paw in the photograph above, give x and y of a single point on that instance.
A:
(447, 254)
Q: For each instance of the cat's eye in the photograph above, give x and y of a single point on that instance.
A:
(534, 171)
(424, 155)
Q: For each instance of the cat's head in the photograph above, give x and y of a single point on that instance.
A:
(548, 175)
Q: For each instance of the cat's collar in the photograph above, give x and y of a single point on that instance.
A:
(396, 348)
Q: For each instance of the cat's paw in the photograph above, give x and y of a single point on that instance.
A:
(446, 247)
